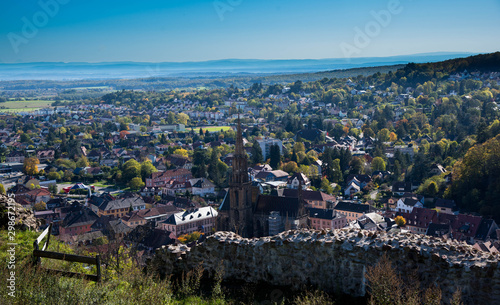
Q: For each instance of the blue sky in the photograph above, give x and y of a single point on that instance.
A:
(195, 30)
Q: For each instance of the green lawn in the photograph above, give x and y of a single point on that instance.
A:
(19, 106)
(215, 128)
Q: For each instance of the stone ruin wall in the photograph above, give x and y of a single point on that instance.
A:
(336, 261)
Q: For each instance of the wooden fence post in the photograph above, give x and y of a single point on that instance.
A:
(36, 259)
(98, 264)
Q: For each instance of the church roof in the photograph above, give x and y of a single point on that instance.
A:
(224, 206)
(283, 205)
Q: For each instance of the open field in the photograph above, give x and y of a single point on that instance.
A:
(18, 106)
(215, 128)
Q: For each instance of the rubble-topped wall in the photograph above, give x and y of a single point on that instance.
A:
(336, 261)
(15, 215)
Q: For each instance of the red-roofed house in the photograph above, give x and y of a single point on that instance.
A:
(159, 179)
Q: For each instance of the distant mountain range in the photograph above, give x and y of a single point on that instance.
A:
(219, 68)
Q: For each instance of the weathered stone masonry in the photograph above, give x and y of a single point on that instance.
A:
(337, 260)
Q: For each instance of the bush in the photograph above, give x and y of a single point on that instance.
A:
(386, 287)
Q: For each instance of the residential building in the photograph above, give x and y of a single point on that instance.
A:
(407, 204)
(326, 219)
(156, 214)
(351, 210)
(265, 145)
(202, 186)
(276, 175)
(117, 207)
(15, 157)
(159, 179)
(312, 199)
(445, 206)
(200, 219)
(296, 179)
(77, 222)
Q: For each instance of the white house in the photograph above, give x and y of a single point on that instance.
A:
(352, 189)
(202, 186)
(407, 204)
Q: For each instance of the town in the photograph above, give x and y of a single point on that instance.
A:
(149, 169)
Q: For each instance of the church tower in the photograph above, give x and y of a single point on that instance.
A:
(240, 191)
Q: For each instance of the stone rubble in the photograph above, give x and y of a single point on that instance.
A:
(25, 219)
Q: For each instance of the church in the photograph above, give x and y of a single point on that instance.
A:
(250, 214)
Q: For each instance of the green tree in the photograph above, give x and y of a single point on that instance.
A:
(299, 146)
(182, 118)
(383, 135)
(53, 188)
(2, 189)
(131, 169)
(336, 174)
(357, 166)
(215, 171)
(53, 176)
(274, 156)
(325, 186)
(171, 118)
(25, 138)
(378, 164)
(82, 162)
(432, 188)
(200, 160)
(136, 184)
(147, 169)
(256, 153)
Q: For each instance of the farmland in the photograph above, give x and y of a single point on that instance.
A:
(19, 106)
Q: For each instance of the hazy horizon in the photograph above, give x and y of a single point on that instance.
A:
(225, 67)
(451, 53)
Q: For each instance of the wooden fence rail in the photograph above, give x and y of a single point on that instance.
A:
(38, 254)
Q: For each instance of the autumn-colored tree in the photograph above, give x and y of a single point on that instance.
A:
(476, 178)
(187, 238)
(393, 137)
(290, 167)
(400, 221)
(30, 166)
(181, 151)
(40, 206)
(2, 189)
